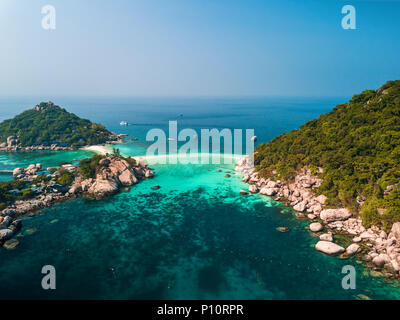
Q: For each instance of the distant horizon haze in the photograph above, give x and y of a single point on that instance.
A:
(258, 48)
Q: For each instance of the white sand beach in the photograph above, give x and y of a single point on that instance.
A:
(100, 149)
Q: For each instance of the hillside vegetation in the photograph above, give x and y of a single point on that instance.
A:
(358, 146)
(47, 123)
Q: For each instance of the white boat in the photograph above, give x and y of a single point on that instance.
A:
(123, 123)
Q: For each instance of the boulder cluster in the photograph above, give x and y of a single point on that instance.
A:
(27, 174)
(112, 174)
(382, 250)
(8, 227)
(13, 144)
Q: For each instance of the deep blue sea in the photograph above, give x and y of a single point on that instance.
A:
(195, 237)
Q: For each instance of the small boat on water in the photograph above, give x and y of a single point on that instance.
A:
(123, 123)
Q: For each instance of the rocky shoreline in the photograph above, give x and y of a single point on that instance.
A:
(380, 250)
(113, 174)
(12, 145)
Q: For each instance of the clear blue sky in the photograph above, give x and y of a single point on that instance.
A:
(197, 47)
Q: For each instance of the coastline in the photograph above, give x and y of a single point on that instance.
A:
(379, 250)
(112, 174)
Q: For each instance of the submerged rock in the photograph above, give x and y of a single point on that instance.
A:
(11, 244)
(282, 229)
(156, 187)
(243, 193)
(113, 173)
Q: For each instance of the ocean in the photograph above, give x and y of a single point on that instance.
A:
(194, 238)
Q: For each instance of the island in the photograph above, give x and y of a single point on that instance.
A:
(341, 171)
(49, 127)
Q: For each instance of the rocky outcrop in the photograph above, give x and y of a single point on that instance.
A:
(13, 144)
(21, 207)
(321, 199)
(112, 174)
(101, 188)
(127, 178)
(282, 229)
(12, 141)
(6, 234)
(326, 237)
(268, 191)
(329, 248)
(395, 232)
(8, 228)
(380, 260)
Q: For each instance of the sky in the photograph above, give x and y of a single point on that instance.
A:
(197, 48)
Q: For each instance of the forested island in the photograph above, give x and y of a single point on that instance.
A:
(357, 145)
(48, 126)
(341, 171)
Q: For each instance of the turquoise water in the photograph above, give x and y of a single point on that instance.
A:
(194, 238)
(11, 160)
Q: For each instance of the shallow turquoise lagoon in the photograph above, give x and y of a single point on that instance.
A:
(194, 238)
